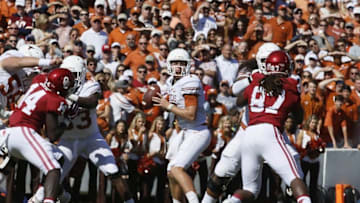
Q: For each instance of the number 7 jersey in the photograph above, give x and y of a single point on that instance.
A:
(264, 108)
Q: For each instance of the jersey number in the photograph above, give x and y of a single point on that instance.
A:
(85, 118)
(257, 104)
(31, 99)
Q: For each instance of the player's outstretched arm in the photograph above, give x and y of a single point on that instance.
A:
(54, 129)
(12, 64)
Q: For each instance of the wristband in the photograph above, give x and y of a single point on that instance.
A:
(73, 97)
(169, 107)
(44, 62)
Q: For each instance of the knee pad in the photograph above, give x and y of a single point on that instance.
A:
(218, 184)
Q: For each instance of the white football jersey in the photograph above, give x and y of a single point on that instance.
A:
(188, 85)
(85, 123)
(11, 83)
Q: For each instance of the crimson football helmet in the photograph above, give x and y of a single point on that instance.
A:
(278, 62)
(61, 81)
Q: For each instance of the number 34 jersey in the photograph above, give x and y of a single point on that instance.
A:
(264, 108)
(84, 124)
(34, 105)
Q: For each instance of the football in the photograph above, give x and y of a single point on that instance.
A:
(149, 94)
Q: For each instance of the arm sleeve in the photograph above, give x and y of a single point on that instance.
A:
(240, 85)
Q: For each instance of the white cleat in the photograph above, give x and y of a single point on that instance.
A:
(33, 199)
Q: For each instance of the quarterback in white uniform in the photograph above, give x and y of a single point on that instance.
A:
(83, 138)
(186, 99)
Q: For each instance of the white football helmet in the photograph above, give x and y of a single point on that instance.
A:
(264, 51)
(178, 55)
(76, 65)
(31, 50)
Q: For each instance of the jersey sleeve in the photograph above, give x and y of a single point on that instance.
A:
(256, 76)
(90, 88)
(191, 86)
(247, 92)
(57, 105)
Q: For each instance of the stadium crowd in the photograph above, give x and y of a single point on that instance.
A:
(125, 44)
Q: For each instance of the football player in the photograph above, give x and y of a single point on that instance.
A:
(230, 161)
(16, 72)
(186, 101)
(270, 96)
(83, 137)
(42, 104)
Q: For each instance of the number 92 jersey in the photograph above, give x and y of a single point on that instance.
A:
(264, 108)
(34, 105)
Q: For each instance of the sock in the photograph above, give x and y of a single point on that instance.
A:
(129, 201)
(208, 199)
(176, 201)
(192, 197)
(40, 193)
(303, 199)
(49, 200)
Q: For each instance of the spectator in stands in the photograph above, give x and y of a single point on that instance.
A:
(121, 107)
(157, 150)
(201, 55)
(255, 38)
(140, 79)
(202, 22)
(106, 24)
(63, 31)
(314, 49)
(138, 136)
(99, 8)
(95, 36)
(312, 103)
(134, 22)
(137, 57)
(214, 109)
(21, 19)
(223, 134)
(107, 61)
(84, 23)
(227, 65)
(336, 124)
(145, 16)
(224, 96)
(310, 162)
(73, 36)
(351, 111)
(201, 74)
(353, 74)
(120, 145)
(120, 33)
(90, 51)
(281, 28)
(12, 41)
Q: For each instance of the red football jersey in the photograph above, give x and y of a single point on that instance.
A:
(34, 105)
(264, 108)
